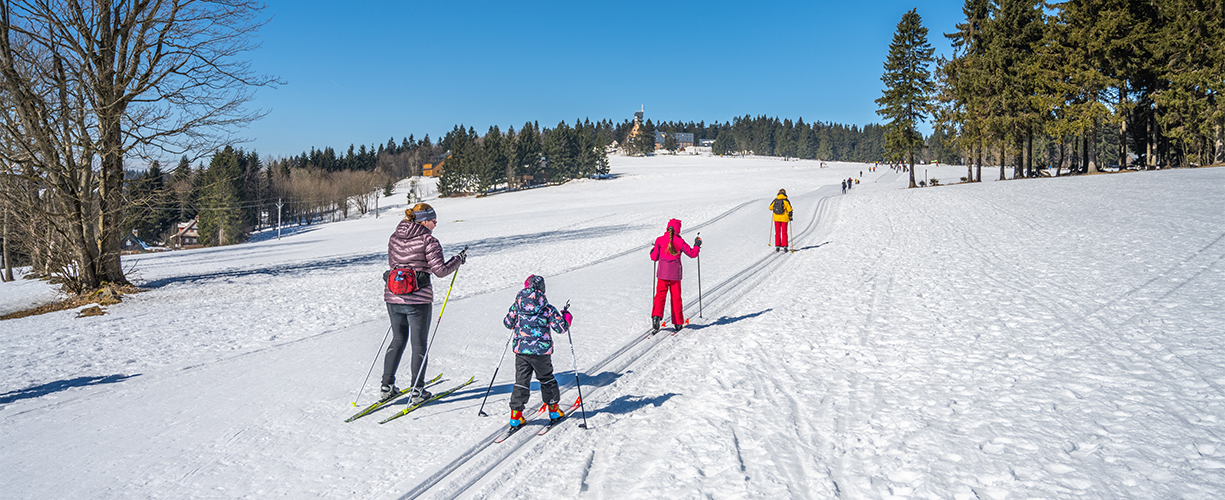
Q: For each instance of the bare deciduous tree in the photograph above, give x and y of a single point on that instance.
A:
(89, 85)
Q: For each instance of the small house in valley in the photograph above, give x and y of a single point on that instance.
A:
(186, 234)
(130, 243)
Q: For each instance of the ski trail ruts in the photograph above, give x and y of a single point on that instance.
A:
(1195, 265)
(800, 458)
(1120, 315)
(476, 463)
(1109, 319)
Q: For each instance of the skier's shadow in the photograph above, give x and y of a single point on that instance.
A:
(60, 385)
(810, 247)
(565, 380)
(724, 320)
(629, 404)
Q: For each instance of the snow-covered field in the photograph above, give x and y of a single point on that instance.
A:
(1054, 338)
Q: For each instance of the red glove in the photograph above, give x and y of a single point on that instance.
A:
(568, 317)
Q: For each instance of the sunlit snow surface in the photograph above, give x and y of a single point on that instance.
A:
(1054, 338)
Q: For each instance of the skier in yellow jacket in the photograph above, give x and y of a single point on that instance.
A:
(781, 208)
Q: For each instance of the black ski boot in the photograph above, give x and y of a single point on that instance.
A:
(655, 323)
(387, 392)
(420, 395)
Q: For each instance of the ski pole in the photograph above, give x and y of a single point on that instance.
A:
(426, 355)
(699, 278)
(371, 370)
(576, 382)
(481, 412)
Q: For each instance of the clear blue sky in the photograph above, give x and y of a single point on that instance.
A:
(361, 72)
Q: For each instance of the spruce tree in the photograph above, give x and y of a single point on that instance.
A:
(963, 107)
(908, 86)
(220, 215)
(527, 150)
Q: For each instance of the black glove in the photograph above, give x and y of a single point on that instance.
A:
(697, 242)
(789, 216)
(463, 256)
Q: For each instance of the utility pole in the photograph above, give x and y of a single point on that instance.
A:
(278, 218)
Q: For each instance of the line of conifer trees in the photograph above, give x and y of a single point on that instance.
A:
(1084, 84)
(530, 156)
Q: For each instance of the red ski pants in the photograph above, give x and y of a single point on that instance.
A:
(780, 234)
(662, 288)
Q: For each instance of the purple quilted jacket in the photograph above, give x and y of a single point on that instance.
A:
(412, 246)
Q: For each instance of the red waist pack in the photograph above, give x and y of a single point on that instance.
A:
(403, 281)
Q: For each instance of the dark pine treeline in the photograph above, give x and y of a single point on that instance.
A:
(768, 136)
(821, 141)
(1082, 84)
(530, 156)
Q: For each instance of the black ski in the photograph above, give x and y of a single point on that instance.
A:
(379, 404)
(509, 432)
(435, 397)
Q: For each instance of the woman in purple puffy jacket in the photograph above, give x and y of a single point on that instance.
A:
(412, 246)
(667, 252)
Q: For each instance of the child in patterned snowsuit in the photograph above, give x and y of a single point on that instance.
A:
(531, 317)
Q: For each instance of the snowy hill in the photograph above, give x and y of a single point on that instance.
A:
(1054, 338)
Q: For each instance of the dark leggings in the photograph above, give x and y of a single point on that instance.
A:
(407, 320)
(525, 366)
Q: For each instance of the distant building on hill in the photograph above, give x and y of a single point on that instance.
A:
(683, 140)
(434, 167)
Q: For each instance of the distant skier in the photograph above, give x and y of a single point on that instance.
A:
(667, 252)
(843, 186)
(412, 247)
(531, 317)
(781, 208)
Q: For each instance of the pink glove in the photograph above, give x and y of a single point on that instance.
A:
(568, 317)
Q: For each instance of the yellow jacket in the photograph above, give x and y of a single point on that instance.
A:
(786, 215)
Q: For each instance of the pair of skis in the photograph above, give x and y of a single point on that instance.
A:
(665, 325)
(432, 382)
(510, 431)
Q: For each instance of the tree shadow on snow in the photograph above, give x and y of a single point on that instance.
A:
(60, 385)
(629, 404)
(478, 247)
(491, 245)
(286, 231)
(727, 321)
(278, 270)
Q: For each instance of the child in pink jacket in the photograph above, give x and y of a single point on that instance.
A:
(667, 252)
